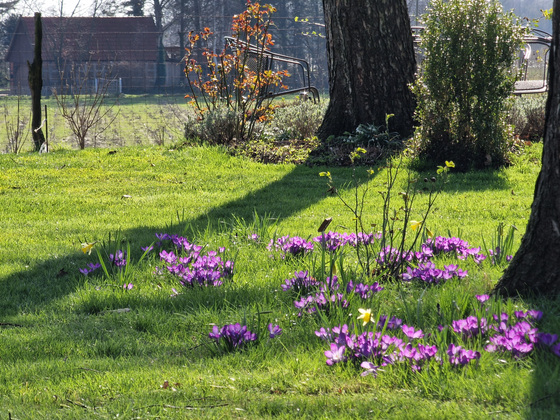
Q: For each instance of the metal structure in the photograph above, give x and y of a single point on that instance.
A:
(273, 61)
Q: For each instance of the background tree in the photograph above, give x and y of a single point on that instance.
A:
(7, 28)
(371, 63)
(36, 85)
(534, 268)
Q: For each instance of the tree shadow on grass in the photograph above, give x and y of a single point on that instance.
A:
(38, 286)
(30, 290)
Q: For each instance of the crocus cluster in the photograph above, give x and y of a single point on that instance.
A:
(290, 246)
(232, 336)
(470, 327)
(428, 273)
(320, 301)
(459, 356)
(522, 337)
(515, 334)
(195, 269)
(91, 267)
(302, 282)
(118, 258)
(333, 241)
(191, 266)
(373, 350)
(236, 336)
(457, 246)
(364, 291)
(324, 298)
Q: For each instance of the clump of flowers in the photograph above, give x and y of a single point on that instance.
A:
(376, 347)
(428, 273)
(118, 258)
(331, 241)
(326, 298)
(191, 266)
(232, 337)
(290, 246)
(373, 350)
(364, 291)
(302, 282)
(91, 267)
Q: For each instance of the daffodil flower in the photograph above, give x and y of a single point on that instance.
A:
(365, 314)
(449, 164)
(86, 247)
(414, 225)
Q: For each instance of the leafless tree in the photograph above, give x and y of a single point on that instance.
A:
(82, 101)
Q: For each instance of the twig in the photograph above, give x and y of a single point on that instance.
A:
(540, 399)
(186, 407)
(76, 403)
(9, 324)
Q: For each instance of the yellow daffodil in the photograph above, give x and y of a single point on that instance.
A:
(449, 164)
(365, 314)
(361, 150)
(86, 247)
(325, 174)
(415, 224)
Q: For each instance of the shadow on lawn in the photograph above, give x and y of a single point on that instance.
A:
(33, 289)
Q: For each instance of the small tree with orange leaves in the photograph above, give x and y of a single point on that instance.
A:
(239, 78)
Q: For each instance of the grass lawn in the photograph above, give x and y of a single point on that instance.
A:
(84, 346)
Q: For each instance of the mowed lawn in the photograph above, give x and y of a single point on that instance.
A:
(82, 346)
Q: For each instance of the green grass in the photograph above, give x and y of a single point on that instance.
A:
(69, 352)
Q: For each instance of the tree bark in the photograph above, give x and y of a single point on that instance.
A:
(535, 267)
(371, 62)
(35, 79)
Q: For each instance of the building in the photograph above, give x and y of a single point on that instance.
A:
(122, 50)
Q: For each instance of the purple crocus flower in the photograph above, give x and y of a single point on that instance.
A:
(546, 339)
(90, 268)
(335, 354)
(370, 369)
(411, 333)
(482, 298)
(119, 258)
(274, 330)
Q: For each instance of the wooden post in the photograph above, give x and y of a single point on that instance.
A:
(35, 79)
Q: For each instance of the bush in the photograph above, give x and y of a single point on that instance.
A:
(218, 128)
(297, 120)
(467, 76)
(528, 117)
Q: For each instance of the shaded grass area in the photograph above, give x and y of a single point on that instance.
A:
(83, 347)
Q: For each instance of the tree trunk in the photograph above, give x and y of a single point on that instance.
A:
(371, 63)
(535, 267)
(35, 79)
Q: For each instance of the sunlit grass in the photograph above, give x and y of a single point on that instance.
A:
(76, 346)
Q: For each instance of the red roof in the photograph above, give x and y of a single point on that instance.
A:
(97, 39)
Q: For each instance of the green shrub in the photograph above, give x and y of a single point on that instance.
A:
(218, 128)
(297, 120)
(467, 76)
(528, 117)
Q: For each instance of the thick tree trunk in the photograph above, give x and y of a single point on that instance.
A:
(371, 63)
(535, 268)
(35, 79)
